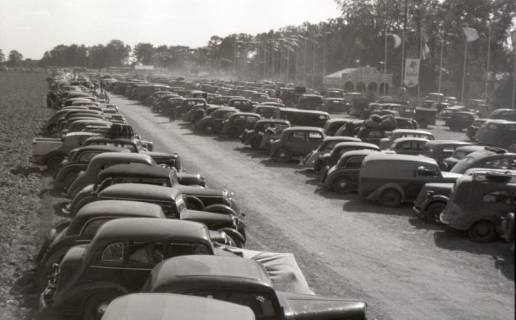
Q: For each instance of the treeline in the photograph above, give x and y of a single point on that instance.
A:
(305, 53)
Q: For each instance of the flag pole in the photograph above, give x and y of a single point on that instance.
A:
(405, 16)
(385, 54)
(488, 61)
(464, 69)
(441, 61)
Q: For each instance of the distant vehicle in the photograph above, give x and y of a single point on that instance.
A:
(324, 148)
(402, 181)
(334, 105)
(498, 133)
(471, 131)
(264, 132)
(479, 201)
(213, 123)
(402, 133)
(297, 117)
(295, 141)
(409, 145)
(442, 149)
(330, 158)
(309, 102)
(489, 158)
(459, 154)
(503, 114)
(238, 122)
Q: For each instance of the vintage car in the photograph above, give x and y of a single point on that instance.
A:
(245, 282)
(350, 128)
(116, 262)
(325, 147)
(461, 120)
(478, 203)
(297, 117)
(78, 160)
(332, 125)
(83, 226)
(403, 180)
(343, 176)
(459, 154)
(167, 306)
(401, 133)
(409, 145)
(334, 105)
(330, 158)
(102, 161)
(406, 123)
(263, 132)
(267, 111)
(497, 133)
(50, 127)
(295, 141)
(308, 101)
(185, 202)
(471, 131)
(442, 149)
(213, 122)
(238, 122)
(503, 114)
(242, 104)
(488, 158)
(52, 151)
(425, 116)
(185, 105)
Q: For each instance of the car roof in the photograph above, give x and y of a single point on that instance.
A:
(134, 170)
(138, 190)
(166, 306)
(446, 142)
(120, 208)
(356, 144)
(402, 139)
(359, 152)
(396, 131)
(304, 128)
(100, 147)
(246, 114)
(280, 121)
(229, 268)
(122, 155)
(147, 229)
(380, 156)
(342, 138)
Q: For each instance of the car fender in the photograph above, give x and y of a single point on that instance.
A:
(51, 154)
(434, 199)
(376, 194)
(72, 167)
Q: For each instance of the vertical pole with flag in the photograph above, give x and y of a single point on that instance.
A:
(471, 35)
(405, 17)
(488, 60)
(513, 101)
(441, 31)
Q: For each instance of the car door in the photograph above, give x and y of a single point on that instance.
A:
(296, 142)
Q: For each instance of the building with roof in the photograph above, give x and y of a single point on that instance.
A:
(367, 80)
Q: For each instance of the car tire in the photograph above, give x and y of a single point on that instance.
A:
(53, 162)
(390, 198)
(482, 231)
(96, 305)
(283, 155)
(341, 185)
(433, 212)
(233, 133)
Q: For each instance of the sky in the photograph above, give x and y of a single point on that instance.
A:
(35, 26)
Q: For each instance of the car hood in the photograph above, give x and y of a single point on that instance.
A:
(199, 191)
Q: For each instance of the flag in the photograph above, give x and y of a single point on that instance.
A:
(396, 38)
(470, 33)
(425, 50)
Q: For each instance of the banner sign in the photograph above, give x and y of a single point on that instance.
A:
(411, 77)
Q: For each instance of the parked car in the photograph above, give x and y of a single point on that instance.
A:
(330, 158)
(334, 105)
(213, 122)
(489, 158)
(460, 153)
(503, 114)
(403, 180)
(166, 306)
(295, 141)
(409, 145)
(244, 281)
(299, 117)
(439, 150)
(471, 131)
(238, 122)
(263, 132)
(461, 120)
(242, 104)
(332, 125)
(267, 111)
(425, 117)
(479, 201)
(406, 123)
(102, 161)
(309, 101)
(186, 105)
(401, 133)
(498, 133)
(343, 176)
(117, 262)
(84, 225)
(324, 148)
(78, 160)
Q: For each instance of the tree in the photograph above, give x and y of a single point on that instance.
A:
(116, 53)
(144, 52)
(15, 58)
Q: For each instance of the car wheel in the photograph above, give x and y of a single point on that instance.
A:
(233, 133)
(194, 203)
(482, 231)
(283, 155)
(96, 305)
(433, 212)
(341, 185)
(390, 198)
(53, 162)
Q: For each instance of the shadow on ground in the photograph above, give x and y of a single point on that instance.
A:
(501, 251)
(357, 204)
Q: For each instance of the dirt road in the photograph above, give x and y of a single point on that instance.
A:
(404, 268)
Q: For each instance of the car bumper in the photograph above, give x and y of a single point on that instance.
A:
(455, 218)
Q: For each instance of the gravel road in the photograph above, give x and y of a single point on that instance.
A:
(403, 267)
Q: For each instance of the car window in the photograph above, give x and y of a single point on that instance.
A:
(500, 163)
(314, 136)
(92, 226)
(354, 162)
(86, 156)
(501, 196)
(113, 253)
(297, 136)
(181, 249)
(427, 171)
